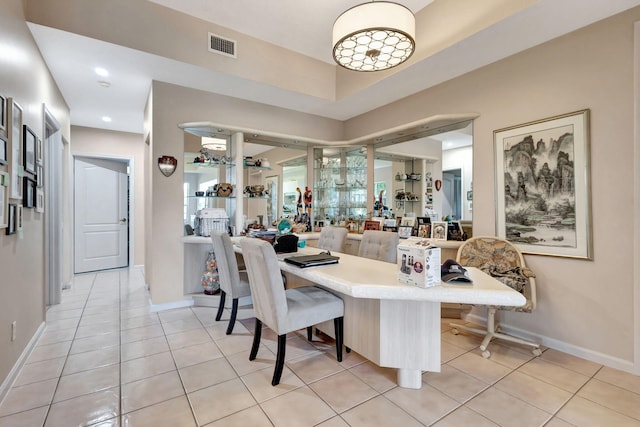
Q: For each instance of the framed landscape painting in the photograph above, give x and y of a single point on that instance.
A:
(542, 186)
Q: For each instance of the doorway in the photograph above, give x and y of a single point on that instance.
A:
(101, 214)
(452, 193)
(54, 148)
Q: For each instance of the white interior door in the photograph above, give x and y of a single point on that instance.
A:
(101, 214)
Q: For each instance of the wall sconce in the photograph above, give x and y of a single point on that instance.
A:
(167, 165)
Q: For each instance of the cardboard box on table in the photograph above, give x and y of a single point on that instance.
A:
(418, 263)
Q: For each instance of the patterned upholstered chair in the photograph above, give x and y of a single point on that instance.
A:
(287, 310)
(502, 260)
(333, 238)
(233, 282)
(379, 245)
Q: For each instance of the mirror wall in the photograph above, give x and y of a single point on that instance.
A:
(406, 172)
(424, 168)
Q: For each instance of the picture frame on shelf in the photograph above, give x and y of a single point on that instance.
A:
(14, 132)
(424, 230)
(3, 150)
(454, 230)
(439, 230)
(409, 221)
(12, 211)
(29, 150)
(405, 231)
(539, 213)
(29, 193)
(371, 225)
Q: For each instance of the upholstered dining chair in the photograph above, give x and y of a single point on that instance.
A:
(233, 282)
(380, 245)
(333, 238)
(283, 310)
(504, 261)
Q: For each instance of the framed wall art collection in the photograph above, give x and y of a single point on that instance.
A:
(21, 167)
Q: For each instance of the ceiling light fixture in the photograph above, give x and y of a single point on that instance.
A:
(106, 119)
(374, 36)
(101, 72)
(215, 144)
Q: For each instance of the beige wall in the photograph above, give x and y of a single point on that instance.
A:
(25, 77)
(109, 144)
(585, 307)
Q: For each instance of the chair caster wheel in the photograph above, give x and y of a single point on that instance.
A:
(486, 354)
(537, 352)
(454, 331)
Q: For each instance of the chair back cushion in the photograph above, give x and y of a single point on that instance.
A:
(499, 258)
(380, 245)
(332, 238)
(265, 280)
(226, 261)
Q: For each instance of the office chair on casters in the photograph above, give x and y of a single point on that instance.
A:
(504, 261)
(287, 310)
(233, 282)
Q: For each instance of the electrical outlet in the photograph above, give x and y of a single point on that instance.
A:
(13, 330)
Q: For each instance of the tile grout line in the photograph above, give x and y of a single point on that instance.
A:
(70, 346)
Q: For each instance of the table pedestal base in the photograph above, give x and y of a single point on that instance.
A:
(410, 378)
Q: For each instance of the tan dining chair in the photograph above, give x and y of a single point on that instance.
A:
(379, 245)
(233, 282)
(287, 310)
(500, 259)
(333, 238)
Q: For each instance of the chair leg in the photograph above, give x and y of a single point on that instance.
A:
(282, 347)
(309, 333)
(338, 325)
(234, 313)
(223, 294)
(257, 334)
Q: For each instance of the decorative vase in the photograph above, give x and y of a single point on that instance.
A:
(210, 279)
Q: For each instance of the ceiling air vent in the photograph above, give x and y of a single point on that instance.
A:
(222, 46)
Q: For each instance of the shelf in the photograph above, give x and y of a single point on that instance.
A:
(341, 188)
(210, 197)
(210, 164)
(258, 167)
(257, 197)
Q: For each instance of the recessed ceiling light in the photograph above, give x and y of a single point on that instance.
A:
(104, 83)
(106, 119)
(102, 72)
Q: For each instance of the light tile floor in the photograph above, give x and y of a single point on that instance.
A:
(105, 359)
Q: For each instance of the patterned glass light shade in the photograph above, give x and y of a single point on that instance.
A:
(374, 36)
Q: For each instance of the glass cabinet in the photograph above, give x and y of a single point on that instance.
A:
(207, 185)
(340, 184)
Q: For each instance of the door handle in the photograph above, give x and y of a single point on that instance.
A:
(123, 220)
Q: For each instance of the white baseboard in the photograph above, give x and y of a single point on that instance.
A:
(574, 350)
(13, 373)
